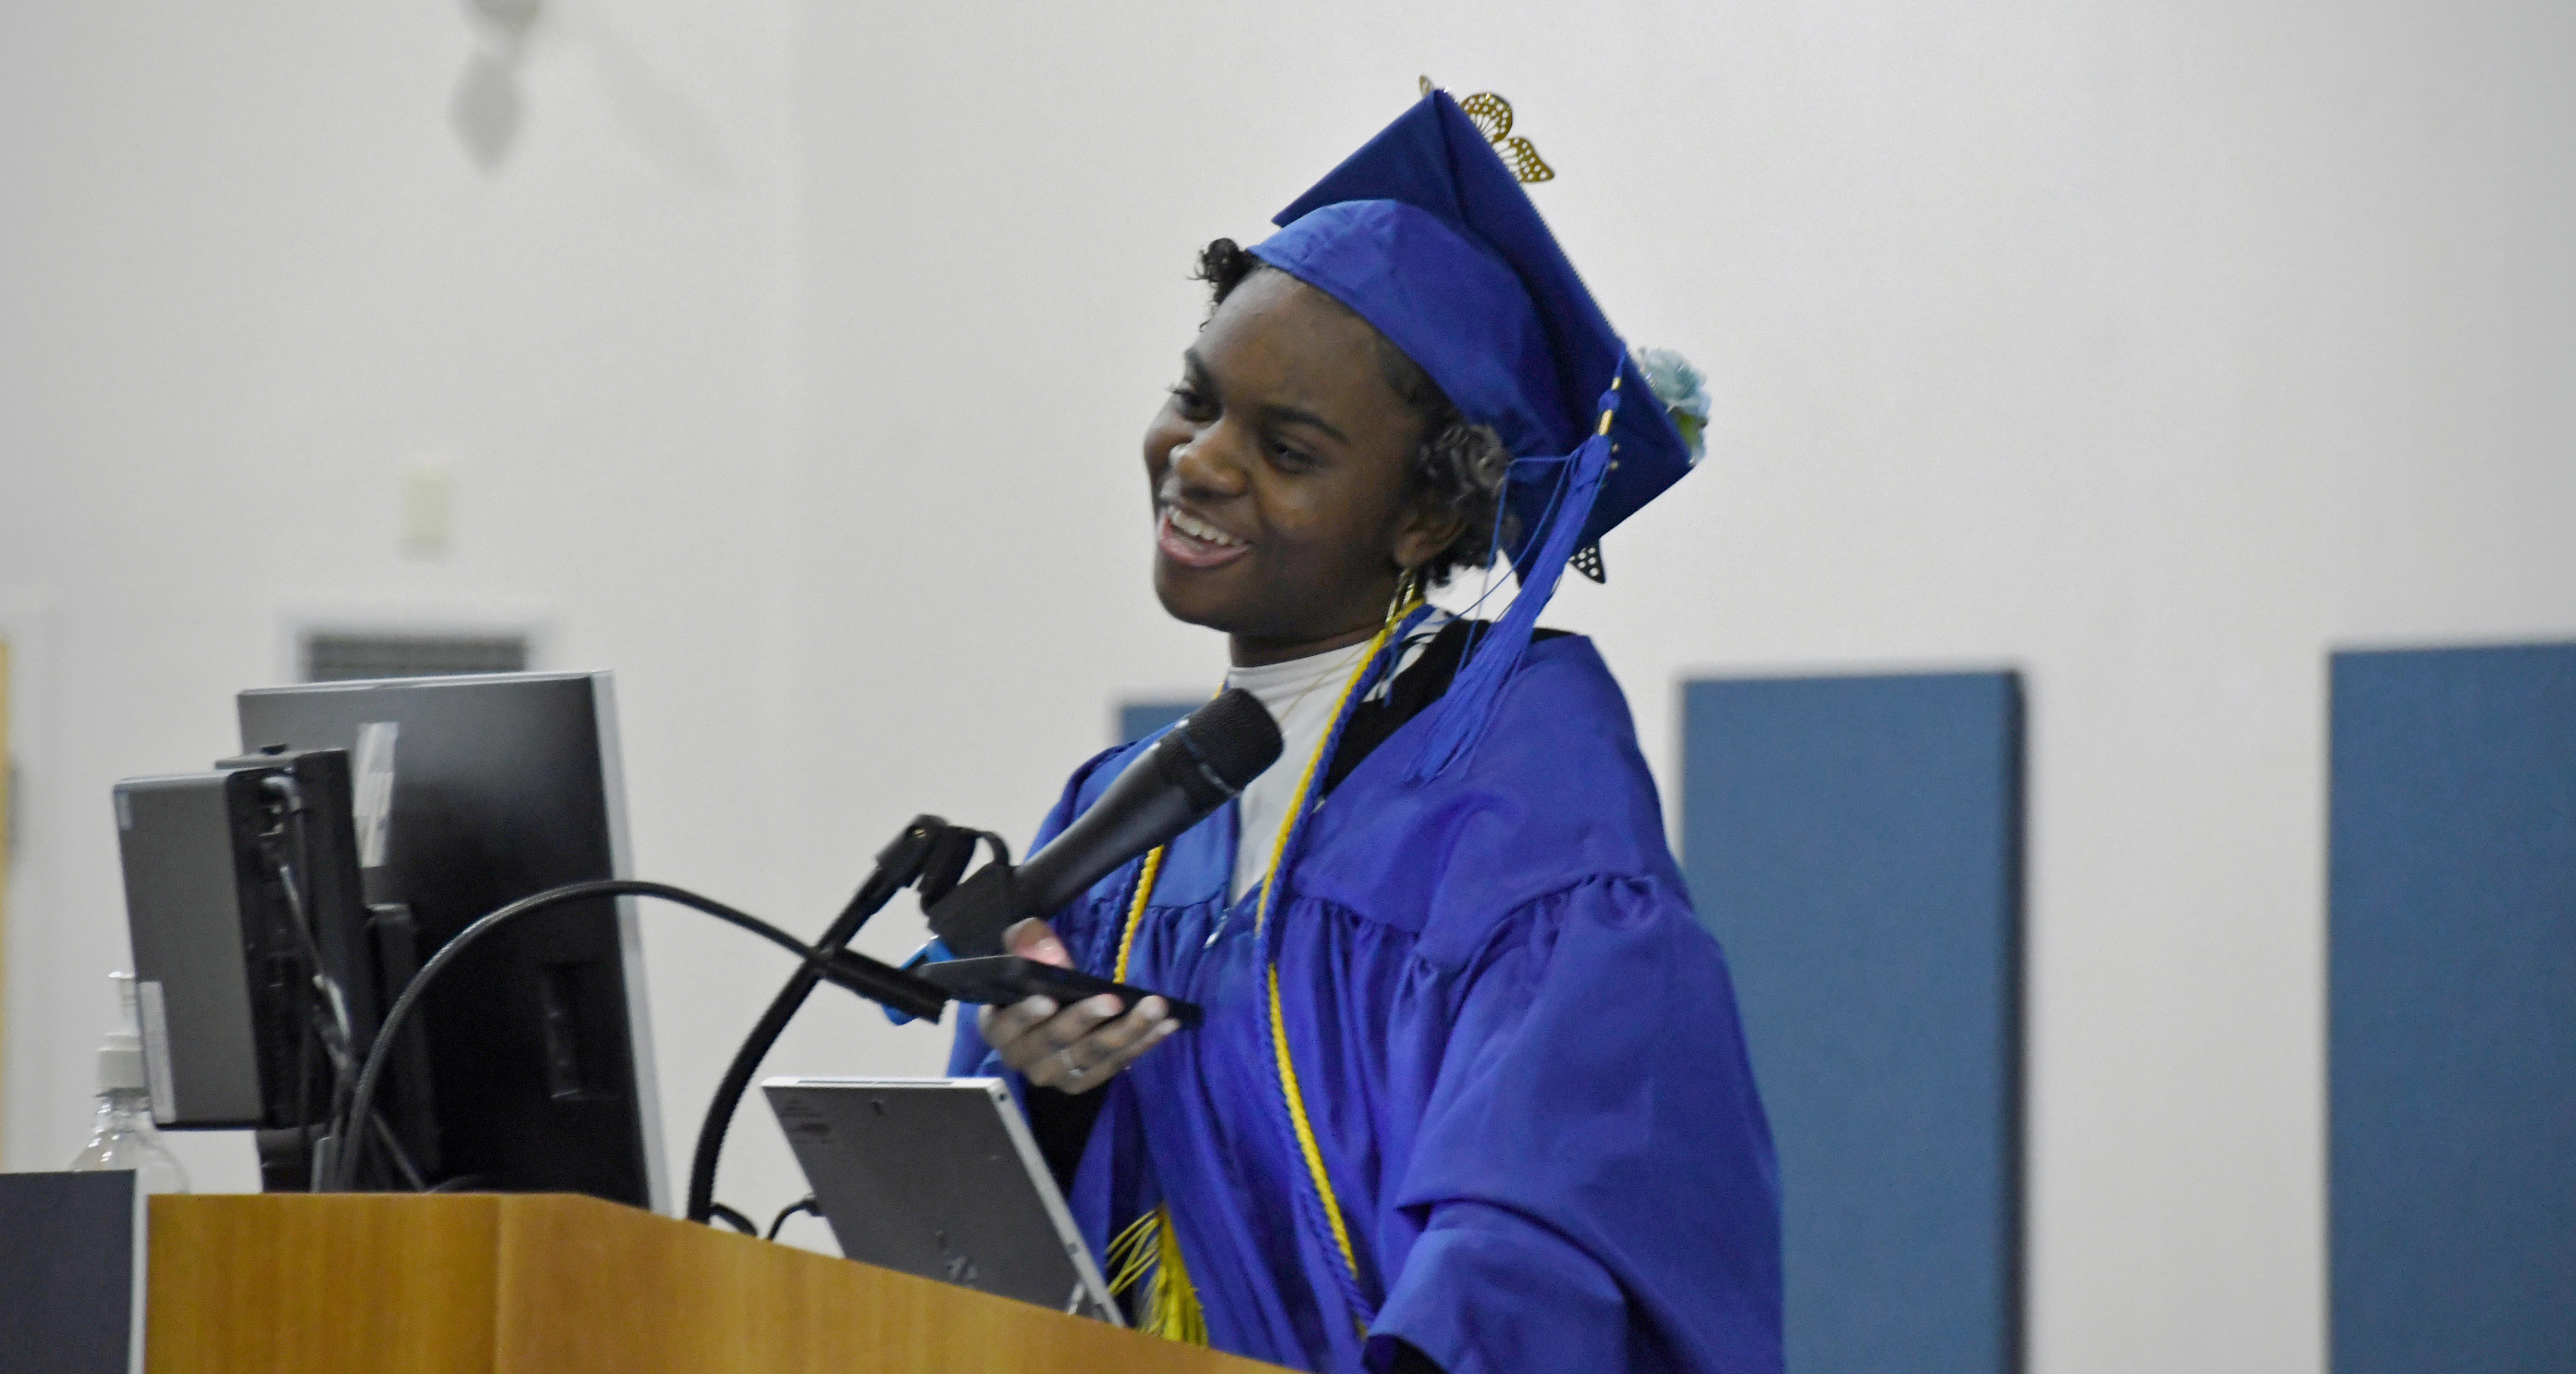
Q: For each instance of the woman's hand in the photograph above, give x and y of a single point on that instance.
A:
(1073, 1049)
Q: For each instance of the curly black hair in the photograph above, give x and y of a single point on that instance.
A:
(1458, 467)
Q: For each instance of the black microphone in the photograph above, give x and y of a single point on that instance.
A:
(1210, 756)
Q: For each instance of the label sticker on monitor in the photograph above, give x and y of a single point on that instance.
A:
(156, 1049)
(372, 790)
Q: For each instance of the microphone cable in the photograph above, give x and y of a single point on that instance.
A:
(779, 1222)
(857, 972)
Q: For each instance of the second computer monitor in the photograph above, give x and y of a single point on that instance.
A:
(472, 792)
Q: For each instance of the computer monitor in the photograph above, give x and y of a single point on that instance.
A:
(240, 885)
(469, 793)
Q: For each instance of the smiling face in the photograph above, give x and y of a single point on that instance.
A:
(1279, 476)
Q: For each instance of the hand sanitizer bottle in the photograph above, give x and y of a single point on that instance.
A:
(123, 1136)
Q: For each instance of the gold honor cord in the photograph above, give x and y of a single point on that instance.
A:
(1150, 1244)
(1288, 1089)
(1136, 914)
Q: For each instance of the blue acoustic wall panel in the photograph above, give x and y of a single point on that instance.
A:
(1137, 719)
(2452, 1010)
(1856, 844)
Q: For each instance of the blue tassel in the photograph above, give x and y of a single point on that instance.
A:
(1469, 703)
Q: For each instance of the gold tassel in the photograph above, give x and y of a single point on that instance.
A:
(1150, 1247)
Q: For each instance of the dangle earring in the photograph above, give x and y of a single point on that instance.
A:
(1408, 590)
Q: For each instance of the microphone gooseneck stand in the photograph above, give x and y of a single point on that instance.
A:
(930, 852)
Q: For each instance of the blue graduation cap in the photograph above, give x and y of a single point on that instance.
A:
(1427, 235)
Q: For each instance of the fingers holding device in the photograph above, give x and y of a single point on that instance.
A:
(1054, 1025)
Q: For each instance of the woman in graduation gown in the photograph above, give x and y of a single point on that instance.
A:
(1471, 1093)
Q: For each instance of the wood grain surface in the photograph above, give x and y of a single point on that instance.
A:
(511, 1284)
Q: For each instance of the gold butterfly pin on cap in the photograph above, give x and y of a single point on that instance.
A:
(1492, 116)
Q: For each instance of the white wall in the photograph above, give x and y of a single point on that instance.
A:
(248, 274)
(796, 365)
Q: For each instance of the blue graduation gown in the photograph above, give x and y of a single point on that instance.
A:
(1518, 1048)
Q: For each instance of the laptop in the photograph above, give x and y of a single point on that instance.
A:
(940, 1177)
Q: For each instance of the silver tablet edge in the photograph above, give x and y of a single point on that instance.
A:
(1016, 1126)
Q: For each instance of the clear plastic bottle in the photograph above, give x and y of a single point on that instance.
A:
(123, 1136)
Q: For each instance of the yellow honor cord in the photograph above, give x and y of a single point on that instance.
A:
(1150, 1244)
(1306, 1144)
(1288, 1088)
(1136, 913)
(1306, 782)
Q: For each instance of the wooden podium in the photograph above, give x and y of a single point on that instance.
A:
(534, 1284)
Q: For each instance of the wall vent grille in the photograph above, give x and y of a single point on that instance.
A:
(341, 656)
